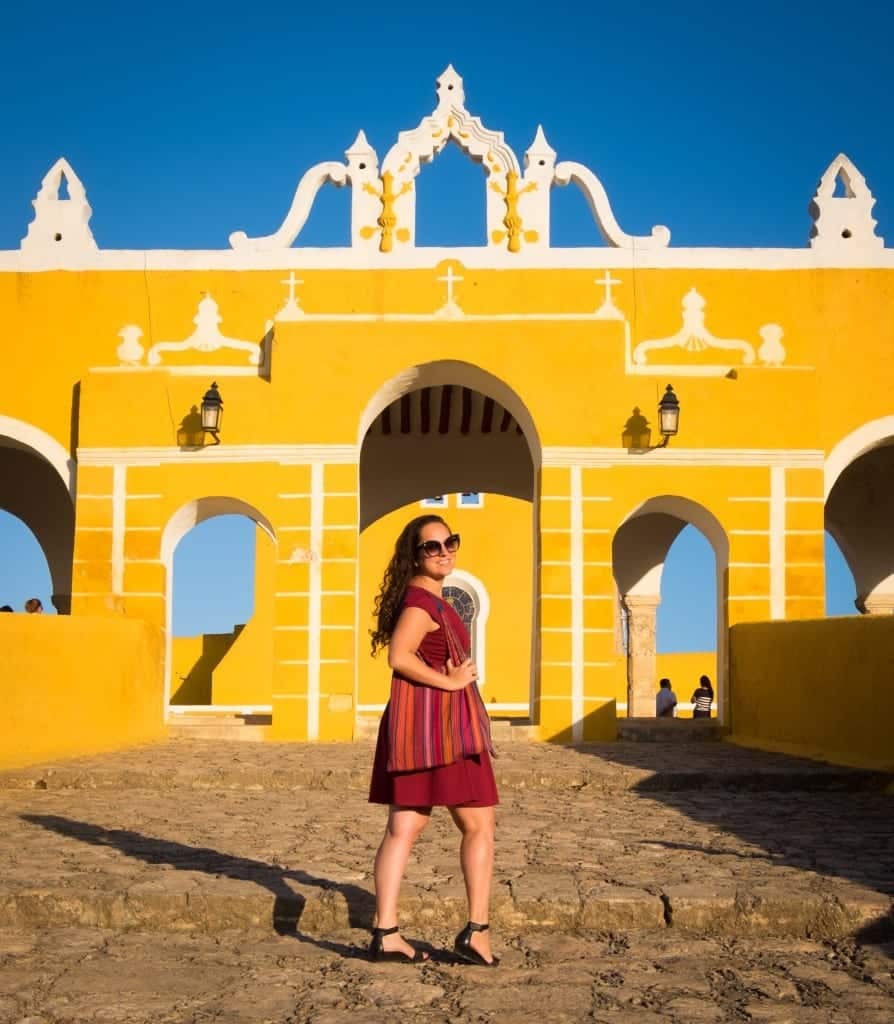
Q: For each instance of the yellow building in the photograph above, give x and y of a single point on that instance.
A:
(359, 382)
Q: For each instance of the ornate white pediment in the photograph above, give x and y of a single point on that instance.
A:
(383, 204)
(842, 210)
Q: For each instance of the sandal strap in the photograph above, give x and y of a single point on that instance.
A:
(472, 926)
(386, 931)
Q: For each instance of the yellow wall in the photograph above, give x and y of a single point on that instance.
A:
(683, 668)
(819, 689)
(76, 686)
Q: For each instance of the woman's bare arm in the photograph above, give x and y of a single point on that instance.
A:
(411, 629)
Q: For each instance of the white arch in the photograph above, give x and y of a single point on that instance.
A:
(180, 523)
(452, 371)
(44, 445)
(857, 443)
(478, 592)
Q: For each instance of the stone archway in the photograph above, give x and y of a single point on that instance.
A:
(639, 551)
(37, 481)
(444, 428)
(860, 510)
(181, 522)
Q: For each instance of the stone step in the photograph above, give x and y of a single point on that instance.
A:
(239, 727)
(670, 730)
(164, 905)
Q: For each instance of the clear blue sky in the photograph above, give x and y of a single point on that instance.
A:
(188, 121)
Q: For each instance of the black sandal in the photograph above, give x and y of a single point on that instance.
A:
(381, 955)
(463, 946)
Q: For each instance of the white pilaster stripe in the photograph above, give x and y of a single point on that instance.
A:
(119, 503)
(315, 609)
(577, 605)
(777, 542)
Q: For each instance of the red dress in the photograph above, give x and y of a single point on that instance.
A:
(467, 782)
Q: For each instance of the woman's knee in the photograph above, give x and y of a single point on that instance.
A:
(407, 824)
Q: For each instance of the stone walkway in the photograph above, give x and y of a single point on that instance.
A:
(195, 881)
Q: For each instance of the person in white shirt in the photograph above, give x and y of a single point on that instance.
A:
(665, 700)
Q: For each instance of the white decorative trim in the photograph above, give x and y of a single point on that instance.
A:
(42, 444)
(600, 207)
(305, 194)
(207, 337)
(777, 542)
(60, 229)
(472, 258)
(286, 454)
(577, 605)
(602, 458)
(315, 603)
(843, 222)
(119, 498)
(850, 448)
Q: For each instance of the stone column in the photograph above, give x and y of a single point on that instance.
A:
(642, 610)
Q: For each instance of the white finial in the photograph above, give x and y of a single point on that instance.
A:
(130, 351)
(60, 225)
(450, 88)
(360, 146)
(540, 147)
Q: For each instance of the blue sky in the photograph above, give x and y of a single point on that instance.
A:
(188, 121)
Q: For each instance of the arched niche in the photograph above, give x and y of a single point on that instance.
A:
(639, 551)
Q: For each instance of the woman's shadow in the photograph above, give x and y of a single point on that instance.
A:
(288, 905)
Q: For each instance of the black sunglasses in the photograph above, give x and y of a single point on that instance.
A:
(430, 548)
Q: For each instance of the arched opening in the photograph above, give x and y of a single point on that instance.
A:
(860, 510)
(36, 486)
(841, 589)
(451, 195)
(451, 429)
(25, 571)
(670, 561)
(219, 555)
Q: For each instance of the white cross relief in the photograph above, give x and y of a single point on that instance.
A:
(450, 307)
(608, 310)
(292, 309)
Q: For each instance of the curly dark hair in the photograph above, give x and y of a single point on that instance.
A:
(401, 569)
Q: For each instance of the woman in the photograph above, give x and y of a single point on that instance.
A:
(434, 738)
(702, 698)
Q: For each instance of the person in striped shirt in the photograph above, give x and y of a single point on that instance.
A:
(703, 698)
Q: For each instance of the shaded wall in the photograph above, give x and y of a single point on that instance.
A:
(821, 688)
(74, 686)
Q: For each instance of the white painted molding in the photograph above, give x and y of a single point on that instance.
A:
(843, 222)
(60, 229)
(595, 194)
(165, 454)
(43, 444)
(305, 194)
(603, 458)
(478, 592)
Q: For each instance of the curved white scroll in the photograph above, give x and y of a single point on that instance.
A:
(592, 188)
(305, 194)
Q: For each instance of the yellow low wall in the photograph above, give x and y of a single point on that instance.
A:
(75, 686)
(817, 688)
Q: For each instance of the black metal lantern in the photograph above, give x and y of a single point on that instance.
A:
(212, 412)
(668, 414)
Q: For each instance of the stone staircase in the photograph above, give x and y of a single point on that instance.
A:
(670, 730)
(215, 724)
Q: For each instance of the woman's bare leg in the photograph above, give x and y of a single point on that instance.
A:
(404, 826)
(476, 856)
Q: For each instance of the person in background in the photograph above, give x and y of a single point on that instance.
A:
(702, 698)
(6, 608)
(665, 700)
(33, 606)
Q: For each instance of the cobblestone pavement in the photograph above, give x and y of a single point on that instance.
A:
(195, 881)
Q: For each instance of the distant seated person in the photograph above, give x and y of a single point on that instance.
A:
(6, 608)
(33, 606)
(665, 700)
(702, 698)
